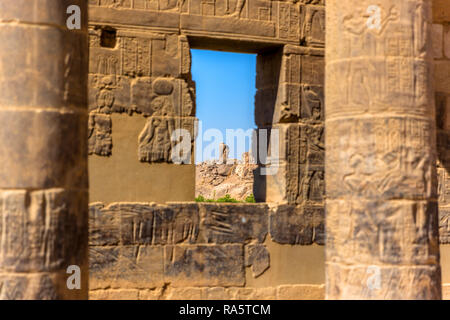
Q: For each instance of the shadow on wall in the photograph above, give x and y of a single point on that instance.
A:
(268, 71)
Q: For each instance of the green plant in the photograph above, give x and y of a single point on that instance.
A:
(250, 199)
(227, 198)
(200, 198)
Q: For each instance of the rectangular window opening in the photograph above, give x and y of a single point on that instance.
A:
(225, 105)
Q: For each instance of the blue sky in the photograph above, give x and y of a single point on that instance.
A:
(225, 87)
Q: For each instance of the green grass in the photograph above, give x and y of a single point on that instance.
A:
(250, 199)
(226, 199)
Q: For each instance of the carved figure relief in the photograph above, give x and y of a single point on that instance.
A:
(312, 186)
(105, 97)
(313, 29)
(99, 134)
(443, 186)
(379, 161)
(237, 11)
(155, 142)
(444, 225)
(313, 136)
(358, 22)
(312, 103)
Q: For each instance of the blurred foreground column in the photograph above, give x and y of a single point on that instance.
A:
(382, 228)
(43, 171)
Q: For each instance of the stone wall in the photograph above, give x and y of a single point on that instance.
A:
(141, 90)
(198, 251)
(441, 51)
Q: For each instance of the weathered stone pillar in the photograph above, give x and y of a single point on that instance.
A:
(43, 153)
(381, 224)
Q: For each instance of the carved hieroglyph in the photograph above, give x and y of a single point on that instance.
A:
(143, 245)
(274, 21)
(139, 73)
(381, 222)
(43, 176)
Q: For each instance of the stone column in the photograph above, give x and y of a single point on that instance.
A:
(382, 228)
(43, 153)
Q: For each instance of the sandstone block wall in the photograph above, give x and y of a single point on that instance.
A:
(441, 53)
(207, 250)
(141, 90)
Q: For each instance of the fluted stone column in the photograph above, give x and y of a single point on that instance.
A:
(382, 228)
(43, 155)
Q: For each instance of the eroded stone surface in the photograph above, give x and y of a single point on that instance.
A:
(126, 266)
(42, 231)
(144, 70)
(99, 134)
(297, 225)
(43, 143)
(234, 223)
(380, 159)
(258, 257)
(157, 141)
(204, 265)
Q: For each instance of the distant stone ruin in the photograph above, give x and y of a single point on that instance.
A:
(216, 179)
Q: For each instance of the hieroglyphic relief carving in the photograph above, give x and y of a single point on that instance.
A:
(99, 134)
(204, 265)
(380, 160)
(387, 234)
(145, 244)
(258, 257)
(444, 204)
(443, 168)
(312, 103)
(255, 19)
(299, 114)
(376, 81)
(136, 55)
(140, 223)
(105, 97)
(125, 266)
(299, 94)
(141, 55)
(288, 21)
(143, 224)
(156, 141)
(300, 179)
(444, 186)
(233, 224)
(444, 225)
(162, 97)
(43, 143)
(146, 74)
(313, 28)
(168, 5)
(384, 158)
(290, 224)
(42, 231)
